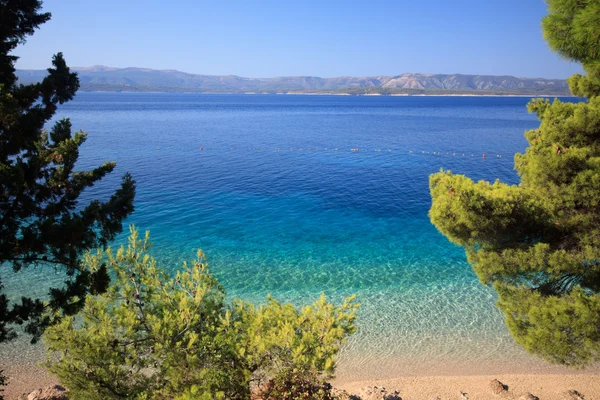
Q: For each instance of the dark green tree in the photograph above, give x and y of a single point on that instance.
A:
(538, 242)
(42, 221)
(571, 29)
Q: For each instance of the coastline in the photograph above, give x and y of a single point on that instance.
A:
(340, 94)
(414, 378)
(424, 376)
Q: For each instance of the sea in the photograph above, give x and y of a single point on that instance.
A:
(297, 195)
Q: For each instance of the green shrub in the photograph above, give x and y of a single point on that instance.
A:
(154, 336)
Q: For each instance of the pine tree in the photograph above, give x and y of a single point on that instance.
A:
(156, 336)
(42, 221)
(538, 242)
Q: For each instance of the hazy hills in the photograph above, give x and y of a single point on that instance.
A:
(99, 78)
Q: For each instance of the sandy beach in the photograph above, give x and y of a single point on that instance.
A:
(415, 382)
(543, 386)
(365, 375)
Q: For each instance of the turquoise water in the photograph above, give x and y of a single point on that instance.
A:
(298, 195)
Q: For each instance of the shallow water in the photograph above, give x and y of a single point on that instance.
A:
(298, 195)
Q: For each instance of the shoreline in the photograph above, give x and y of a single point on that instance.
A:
(341, 94)
(414, 378)
(421, 375)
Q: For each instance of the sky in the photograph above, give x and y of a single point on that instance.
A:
(326, 38)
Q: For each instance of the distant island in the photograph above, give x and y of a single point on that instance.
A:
(102, 78)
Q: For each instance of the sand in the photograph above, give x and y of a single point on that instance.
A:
(25, 379)
(411, 378)
(545, 387)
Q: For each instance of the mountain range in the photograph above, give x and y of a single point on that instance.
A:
(102, 78)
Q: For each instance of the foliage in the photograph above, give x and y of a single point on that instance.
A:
(153, 336)
(562, 328)
(571, 29)
(296, 385)
(538, 242)
(42, 221)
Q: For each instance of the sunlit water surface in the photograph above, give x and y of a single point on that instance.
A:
(298, 195)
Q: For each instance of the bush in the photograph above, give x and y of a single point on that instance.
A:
(296, 385)
(153, 336)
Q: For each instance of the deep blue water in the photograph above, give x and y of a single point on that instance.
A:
(271, 187)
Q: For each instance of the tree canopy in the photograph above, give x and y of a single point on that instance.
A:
(156, 336)
(571, 29)
(538, 242)
(42, 221)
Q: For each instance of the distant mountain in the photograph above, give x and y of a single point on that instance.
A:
(99, 77)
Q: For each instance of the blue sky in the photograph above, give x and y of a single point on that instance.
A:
(324, 38)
